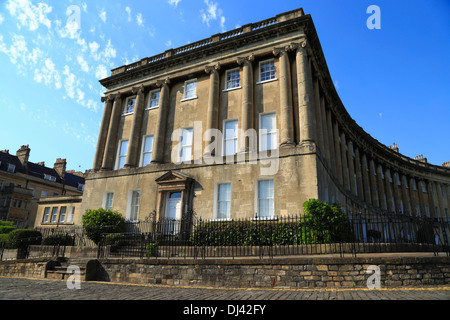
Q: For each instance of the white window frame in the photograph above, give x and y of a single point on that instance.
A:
(225, 138)
(263, 135)
(132, 207)
(126, 109)
(183, 146)
(44, 194)
(227, 82)
(70, 214)
(257, 200)
(120, 155)
(216, 202)
(143, 152)
(62, 213)
(54, 215)
(11, 168)
(261, 63)
(150, 100)
(106, 200)
(46, 217)
(185, 92)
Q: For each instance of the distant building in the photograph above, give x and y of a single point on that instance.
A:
(24, 183)
(266, 88)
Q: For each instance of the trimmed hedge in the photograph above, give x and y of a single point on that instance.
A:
(321, 223)
(58, 239)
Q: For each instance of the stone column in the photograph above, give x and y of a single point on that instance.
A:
(134, 142)
(381, 191)
(398, 206)
(103, 134)
(337, 148)
(431, 202)
(305, 95)
(373, 184)
(351, 167)
(366, 180)
(345, 173)
(359, 176)
(331, 143)
(111, 140)
(387, 183)
(317, 113)
(286, 109)
(324, 128)
(407, 205)
(246, 121)
(212, 116)
(160, 132)
(420, 186)
(441, 194)
(412, 183)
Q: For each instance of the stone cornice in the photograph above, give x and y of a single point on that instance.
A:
(252, 33)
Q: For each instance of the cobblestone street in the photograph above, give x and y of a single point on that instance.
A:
(36, 289)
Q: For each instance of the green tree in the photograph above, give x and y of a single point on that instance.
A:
(325, 223)
(100, 221)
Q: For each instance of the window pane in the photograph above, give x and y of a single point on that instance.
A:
(265, 196)
(190, 89)
(147, 151)
(123, 148)
(230, 137)
(267, 71)
(268, 133)
(233, 80)
(224, 198)
(54, 214)
(154, 99)
(129, 104)
(62, 214)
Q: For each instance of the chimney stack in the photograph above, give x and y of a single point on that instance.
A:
(421, 158)
(446, 164)
(60, 167)
(394, 147)
(23, 154)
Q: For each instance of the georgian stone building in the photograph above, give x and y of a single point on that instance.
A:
(23, 184)
(246, 124)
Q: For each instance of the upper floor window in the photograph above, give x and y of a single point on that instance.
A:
(11, 168)
(153, 99)
(49, 177)
(190, 89)
(122, 155)
(267, 70)
(186, 145)
(147, 150)
(230, 137)
(129, 105)
(268, 132)
(232, 79)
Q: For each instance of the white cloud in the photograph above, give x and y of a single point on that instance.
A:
(1, 19)
(29, 15)
(94, 46)
(102, 15)
(212, 13)
(69, 82)
(174, 3)
(128, 10)
(101, 72)
(83, 64)
(168, 43)
(48, 74)
(139, 20)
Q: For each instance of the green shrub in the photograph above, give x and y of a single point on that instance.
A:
(151, 249)
(24, 237)
(101, 221)
(58, 239)
(6, 229)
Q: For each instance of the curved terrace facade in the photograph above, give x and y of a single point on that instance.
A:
(247, 124)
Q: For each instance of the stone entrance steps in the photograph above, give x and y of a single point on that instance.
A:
(58, 269)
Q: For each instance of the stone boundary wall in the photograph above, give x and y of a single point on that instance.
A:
(280, 272)
(296, 272)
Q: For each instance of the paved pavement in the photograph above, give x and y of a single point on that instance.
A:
(186, 302)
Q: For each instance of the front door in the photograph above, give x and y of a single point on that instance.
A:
(172, 213)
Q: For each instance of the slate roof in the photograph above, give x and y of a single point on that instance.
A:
(37, 170)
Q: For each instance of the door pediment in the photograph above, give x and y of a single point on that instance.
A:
(173, 180)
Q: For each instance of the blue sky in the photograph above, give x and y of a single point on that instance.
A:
(393, 81)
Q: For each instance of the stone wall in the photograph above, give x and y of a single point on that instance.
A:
(298, 272)
(280, 272)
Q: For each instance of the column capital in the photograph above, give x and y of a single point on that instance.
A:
(139, 89)
(109, 97)
(281, 50)
(213, 68)
(160, 83)
(241, 60)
